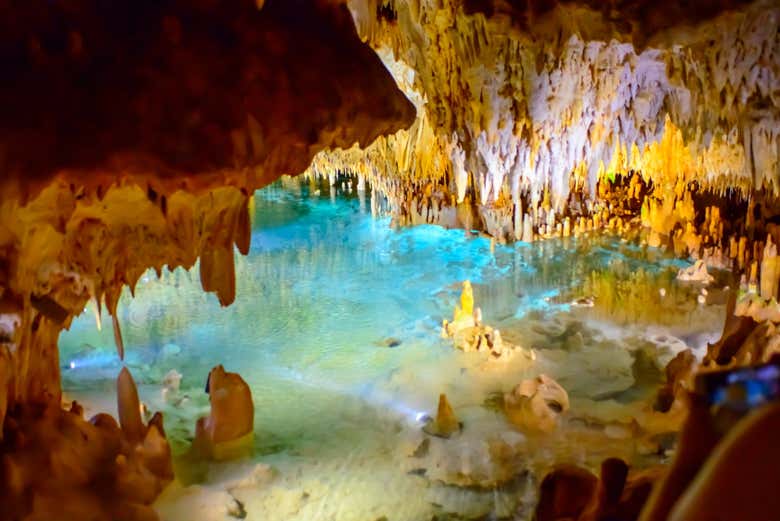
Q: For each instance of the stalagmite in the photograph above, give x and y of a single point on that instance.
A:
(129, 407)
(467, 299)
(770, 270)
(464, 313)
(65, 468)
(228, 431)
(445, 424)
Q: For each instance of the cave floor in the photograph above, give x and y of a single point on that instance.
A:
(336, 328)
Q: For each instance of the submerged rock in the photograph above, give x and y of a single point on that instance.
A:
(169, 350)
(172, 381)
(536, 404)
(390, 342)
(696, 273)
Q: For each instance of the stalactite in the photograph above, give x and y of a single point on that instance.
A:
(81, 246)
(524, 113)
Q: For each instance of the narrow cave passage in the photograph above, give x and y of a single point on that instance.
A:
(337, 330)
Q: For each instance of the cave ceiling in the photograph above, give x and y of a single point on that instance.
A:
(184, 89)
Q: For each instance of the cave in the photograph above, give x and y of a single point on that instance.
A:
(408, 260)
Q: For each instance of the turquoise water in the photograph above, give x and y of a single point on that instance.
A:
(323, 292)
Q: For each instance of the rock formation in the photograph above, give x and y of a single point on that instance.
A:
(446, 423)
(470, 334)
(570, 492)
(132, 137)
(540, 119)
(535, 405)
(227, 432)
(56, 465)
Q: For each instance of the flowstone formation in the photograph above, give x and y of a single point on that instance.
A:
(133, 138)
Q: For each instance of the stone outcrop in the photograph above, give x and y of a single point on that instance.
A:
(535, 405)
